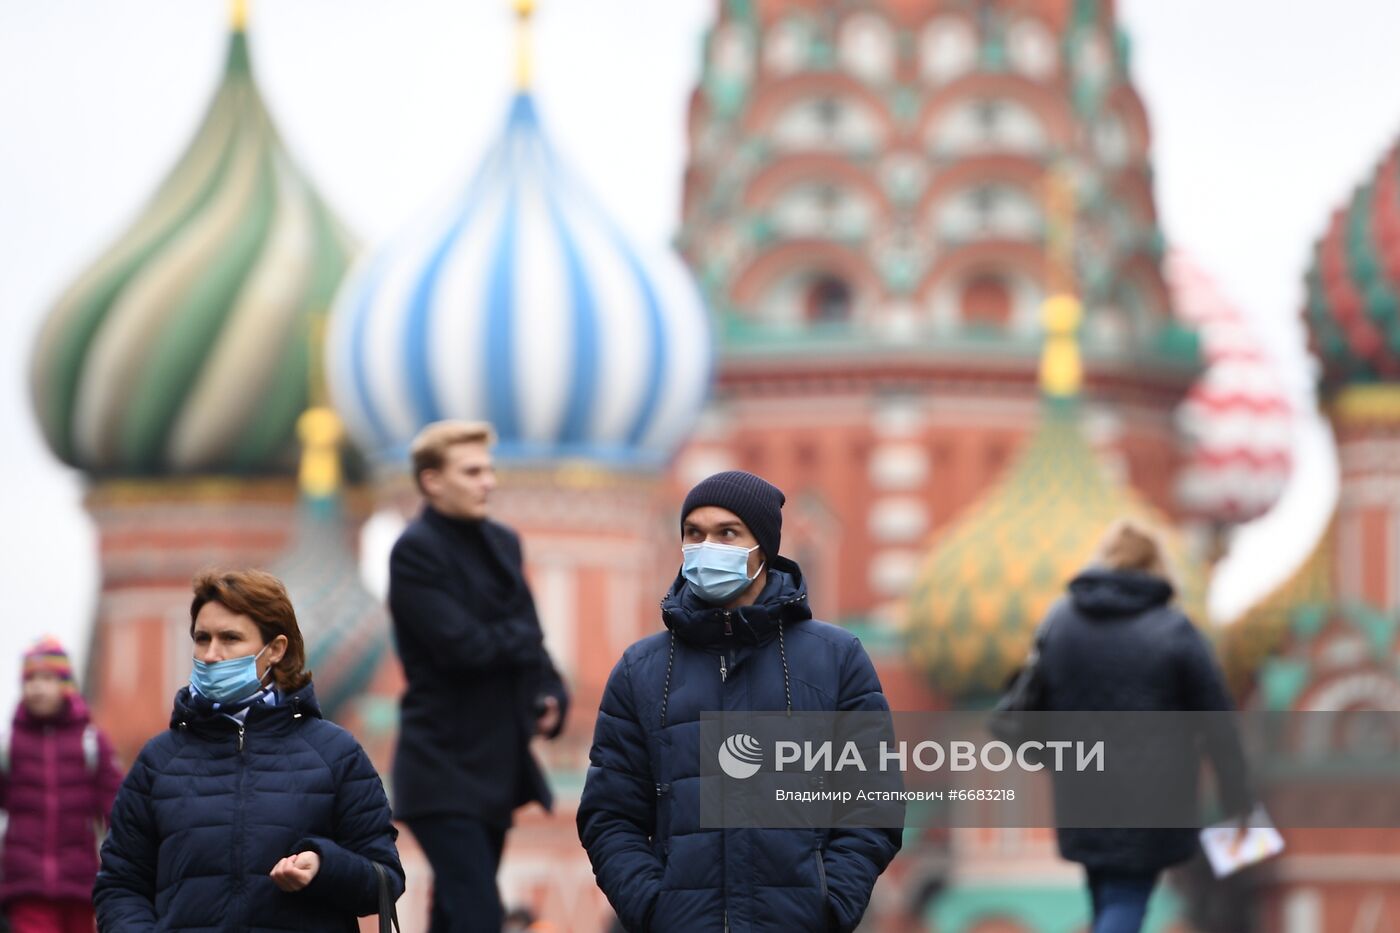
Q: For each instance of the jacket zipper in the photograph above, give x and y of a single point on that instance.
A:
(50, 810)
(723, 677)
(239, 803)
(728, 630)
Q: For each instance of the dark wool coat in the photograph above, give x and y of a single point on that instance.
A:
(210, 807)
(57, 795)
(1116, 643)
(639, 814)
(473, 656)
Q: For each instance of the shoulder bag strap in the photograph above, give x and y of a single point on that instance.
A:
(388, 912)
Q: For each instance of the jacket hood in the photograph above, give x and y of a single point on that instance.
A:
(696, 622)
(193, 710)
(1118, 592)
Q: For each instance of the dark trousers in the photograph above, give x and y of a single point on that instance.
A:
(1120, 900)
(465, 854)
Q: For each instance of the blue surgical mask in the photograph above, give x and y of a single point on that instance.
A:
(717, 572)
(227, 681)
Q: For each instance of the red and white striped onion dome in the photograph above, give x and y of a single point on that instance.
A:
(1237, 415)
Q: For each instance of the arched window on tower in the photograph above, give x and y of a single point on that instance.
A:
(986, 302)
(1032, 49)
(987, 124)
(1111, 141)
(828, 121)
(821, 208)
(987, 210)
(947, 49)
(867, 47)
(829, 300)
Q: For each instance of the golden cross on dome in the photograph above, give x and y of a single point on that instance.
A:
(524, 49)
(238, 14)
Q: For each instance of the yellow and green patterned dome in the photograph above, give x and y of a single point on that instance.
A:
(184, 349)
(991, 577)
(1248, 642)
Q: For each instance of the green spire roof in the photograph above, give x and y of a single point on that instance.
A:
(992, 575)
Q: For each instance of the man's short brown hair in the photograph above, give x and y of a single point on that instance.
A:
(429, 448)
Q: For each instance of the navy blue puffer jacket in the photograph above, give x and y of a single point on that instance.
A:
(209, 808)
(639, 815)
(1118, 644)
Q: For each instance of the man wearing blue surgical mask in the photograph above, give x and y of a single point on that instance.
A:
(739, 635)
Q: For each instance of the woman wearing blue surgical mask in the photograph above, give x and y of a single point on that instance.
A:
(251, 811)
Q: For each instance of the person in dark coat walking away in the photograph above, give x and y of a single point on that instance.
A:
(1117, 643)
(480, 684)
(251, 812)
(58, 776)
(739, 636)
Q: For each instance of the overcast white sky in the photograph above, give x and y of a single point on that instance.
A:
(1265, 114)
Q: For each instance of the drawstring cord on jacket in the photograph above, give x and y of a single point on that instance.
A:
(666, 689)
(787, 684)
(671, 657)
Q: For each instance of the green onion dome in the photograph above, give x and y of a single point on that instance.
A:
(989, 580)
(184, 349)
(1353, 284)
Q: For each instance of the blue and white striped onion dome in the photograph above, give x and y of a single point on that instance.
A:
(523, 306)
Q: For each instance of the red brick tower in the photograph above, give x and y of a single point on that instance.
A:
(864, 207)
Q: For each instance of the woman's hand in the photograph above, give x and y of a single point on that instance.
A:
(296, 871)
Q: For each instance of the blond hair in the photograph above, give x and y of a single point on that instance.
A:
(429, 449)
(1131, 545)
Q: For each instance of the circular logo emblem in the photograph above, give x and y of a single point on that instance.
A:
(740, 756)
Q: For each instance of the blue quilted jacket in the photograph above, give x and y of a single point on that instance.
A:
(209, 807)
(639, 814)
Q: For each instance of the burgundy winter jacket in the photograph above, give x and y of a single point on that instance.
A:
(56, 797)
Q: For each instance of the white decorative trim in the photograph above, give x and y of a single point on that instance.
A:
(899, 466)
(892, 572)
(898, 417)
(556, 594)
(700, 462)
(902, 519)
(623, 608)
(1302, 911)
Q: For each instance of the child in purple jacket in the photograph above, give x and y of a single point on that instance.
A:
(58, 776)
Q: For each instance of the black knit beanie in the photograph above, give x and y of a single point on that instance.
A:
(758, 502)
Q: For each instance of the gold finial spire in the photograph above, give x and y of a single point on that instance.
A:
(238, 14)
(1061, 371)
(524, 49)
(319, 428)
(320, 431)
